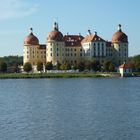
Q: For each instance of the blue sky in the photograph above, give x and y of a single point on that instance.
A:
(75, 16)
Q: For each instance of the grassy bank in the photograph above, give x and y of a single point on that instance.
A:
(54, 75)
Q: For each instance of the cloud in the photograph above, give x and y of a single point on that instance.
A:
(10, 9)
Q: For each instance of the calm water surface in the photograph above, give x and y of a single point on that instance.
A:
(70, 109)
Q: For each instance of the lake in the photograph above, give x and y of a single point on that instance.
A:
(70, 109)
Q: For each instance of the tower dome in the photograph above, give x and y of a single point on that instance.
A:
(31, 39)
(119, 36)
(55, 35)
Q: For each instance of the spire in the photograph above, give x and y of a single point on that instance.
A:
(55, 26)
(119, 27)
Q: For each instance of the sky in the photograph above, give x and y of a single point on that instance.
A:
(74, 17)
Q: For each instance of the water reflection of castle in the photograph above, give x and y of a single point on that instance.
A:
(75, 48)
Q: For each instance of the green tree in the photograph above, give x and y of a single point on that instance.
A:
(27, 67)
(81, 66)
(95, 65)
(58, 65)
(65, 66)
(88, 65)
(49, 66)
(39, 66)
(11, 60)
(15, 68)
(132, 65)
(137, 66)
(108, 66)
(111, 67)
(3, 66)
(75, 67)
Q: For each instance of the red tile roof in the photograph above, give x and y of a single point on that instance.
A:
(73, 40)
(91, 38)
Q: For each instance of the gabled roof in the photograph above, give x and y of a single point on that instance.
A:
(92, 38)
(73, 40)
(125, 66)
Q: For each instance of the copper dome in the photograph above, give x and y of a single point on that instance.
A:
(119, 36)
(31, 39)
(55, 35)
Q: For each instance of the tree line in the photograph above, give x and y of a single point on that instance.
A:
(12, 64)
(134, 63)
(82, 66)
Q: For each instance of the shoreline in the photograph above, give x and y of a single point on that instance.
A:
(57, 75)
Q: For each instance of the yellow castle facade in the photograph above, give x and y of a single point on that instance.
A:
(75, 48)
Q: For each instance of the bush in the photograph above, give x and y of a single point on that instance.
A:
(27, 67)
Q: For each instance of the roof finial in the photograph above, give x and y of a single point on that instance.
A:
(89, 32)
(31, 30)
(95, 33)
(119, 27)
(55, 26)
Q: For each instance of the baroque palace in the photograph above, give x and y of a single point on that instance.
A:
(75, 48)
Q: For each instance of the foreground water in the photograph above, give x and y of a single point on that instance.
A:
(70, 109)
